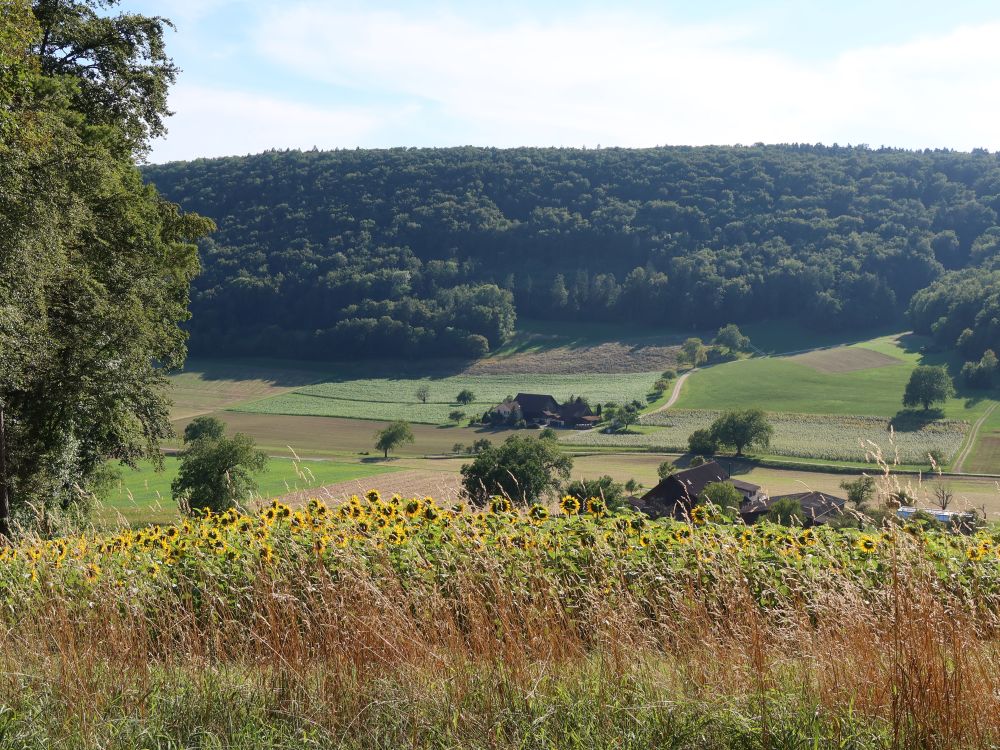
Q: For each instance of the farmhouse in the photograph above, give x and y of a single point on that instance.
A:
(676, 494)
(538, 408)
(817, 507)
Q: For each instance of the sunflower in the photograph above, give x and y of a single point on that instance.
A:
(373, 496)
(538, 513)
(867, 544)
(807, 538)
(499, 504)
(975, 554)
(413, 507)
(596, 507)
(569, 505)
(745, 537)
(644, 540)
(699, 515)
(266, 553)
(431, 513)
(682, 534)
(92, 572)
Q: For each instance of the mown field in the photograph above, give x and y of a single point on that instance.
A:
(833, 438)
(395, 398)
(395, 622)
(985, 455)
(143, 496)
(788, 384)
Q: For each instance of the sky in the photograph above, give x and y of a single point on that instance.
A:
(262, 74)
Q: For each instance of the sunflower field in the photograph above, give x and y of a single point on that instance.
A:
(448, 625)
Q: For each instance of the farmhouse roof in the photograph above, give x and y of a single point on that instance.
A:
(683, 488)
(749, 487)
(817, 507)
(536, 404)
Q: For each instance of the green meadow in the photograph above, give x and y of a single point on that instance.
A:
(143, 495)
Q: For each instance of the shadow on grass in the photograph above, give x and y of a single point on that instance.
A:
(914, 420)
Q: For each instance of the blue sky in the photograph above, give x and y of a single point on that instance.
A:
(333, 74)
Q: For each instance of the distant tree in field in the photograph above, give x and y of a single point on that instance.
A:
(860, 490)
(632, 486)
(465, 397)
(702, 443)
(732, 338)
(393, 436)
(478, 446)
(523, 469)
(787, 512)
(622, 417)
(217, 472)
(456, 415)
(458, 448)
(547, 433)
(423, 393)
(660, 386)
(927, 385)
(605, 487)
(665, 469)
(204, 427)
(743, 429)
(694, 351)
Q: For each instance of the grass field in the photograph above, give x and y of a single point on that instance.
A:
(388, 399)
(143, 496)
(831, 438)
(326, 437)
(985, 455)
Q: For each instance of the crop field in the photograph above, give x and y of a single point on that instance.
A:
(143, 496)
(389, 399)
(208, 385)
(449, 627)
(832, 438)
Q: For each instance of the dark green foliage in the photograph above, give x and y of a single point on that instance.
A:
(393, 436)
(605, 487)
(217, 472)
(961, 310)
(723, 495)
(665, 469)
(927, 385)
(465, 397)
(787, 512)
(523, 469)
(860, 490)
(357, 252)
(95, 267)
(702, 443)
(981, 374)
(621, 417)
(204, 427)
(456, 415)
(742, 429)
(732, 338)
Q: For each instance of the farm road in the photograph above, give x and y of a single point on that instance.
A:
(675, 393)
(957, 467)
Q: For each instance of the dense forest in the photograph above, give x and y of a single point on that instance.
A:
(342, 253)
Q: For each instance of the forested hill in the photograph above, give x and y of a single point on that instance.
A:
(430, 251)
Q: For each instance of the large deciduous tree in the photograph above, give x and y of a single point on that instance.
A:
(742, 429)
(95, 267)
(928, 384)
(523, 469)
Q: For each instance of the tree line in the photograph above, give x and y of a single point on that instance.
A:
(356, 252)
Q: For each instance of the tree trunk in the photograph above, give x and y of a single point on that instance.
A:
(4, 481)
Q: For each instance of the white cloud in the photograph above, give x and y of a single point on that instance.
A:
(620, 79)
(215, 122)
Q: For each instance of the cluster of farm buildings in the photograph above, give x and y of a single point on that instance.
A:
(543, 410)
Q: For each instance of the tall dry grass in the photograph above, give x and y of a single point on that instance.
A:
(362, 655)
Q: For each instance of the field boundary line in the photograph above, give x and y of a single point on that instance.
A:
(971, 443)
